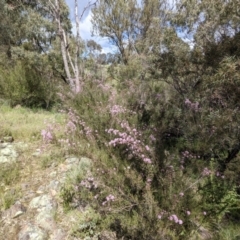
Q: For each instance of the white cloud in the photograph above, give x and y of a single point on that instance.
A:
(86, 27)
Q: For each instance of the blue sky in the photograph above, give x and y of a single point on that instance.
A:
(86, 26)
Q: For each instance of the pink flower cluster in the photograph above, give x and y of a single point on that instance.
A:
(71, 126)
(187, 155)
(218, 174)
(130, 138)
(47, 134)
(65, 142)
(74, 121)
(116, 109)
(175, 219)
(89, 183)
(181, 194)
(153, 139)
(191, 105)
(206, 172)
(109, 198)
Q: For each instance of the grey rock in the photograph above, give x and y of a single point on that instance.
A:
(107, 235)
(7, 153)
(54, 185)
(4, 145)
(45, 219)
(8, 139)
(43, 201)
(4, 159)
(58, 234)
(31, 232)
(15, 210)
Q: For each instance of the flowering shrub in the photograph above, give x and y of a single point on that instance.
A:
(155, 165)
(130, 139)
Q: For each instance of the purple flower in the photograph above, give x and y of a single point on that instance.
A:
(181, 194)
(175, 218)
(147, 160)
(206, 172)
(188, 213)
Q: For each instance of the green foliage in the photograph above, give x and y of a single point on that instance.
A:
(192, 141)
(87, 222)
(69, 195)
(9, 174)
(24, 84)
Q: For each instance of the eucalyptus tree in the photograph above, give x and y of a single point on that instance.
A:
(28, 36)
(117, 21)
(93, 47)
(71, 62)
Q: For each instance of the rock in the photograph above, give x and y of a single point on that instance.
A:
(4, 145)
(41, 189)
(43, 201)
(58, 234)
(107, 235)
(45, 220)
(14, 211)
(4, 159)
(7, 153)
(54, 185)
(31, 232)
(8, 139)
(46, 208)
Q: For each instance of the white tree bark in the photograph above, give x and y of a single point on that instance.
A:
(77, 77)
(63, 40)
(73, 79)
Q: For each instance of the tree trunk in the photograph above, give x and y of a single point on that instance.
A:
(77, 77)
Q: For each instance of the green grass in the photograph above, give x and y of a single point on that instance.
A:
(230, 232)
(25, 124)
(9, 175)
